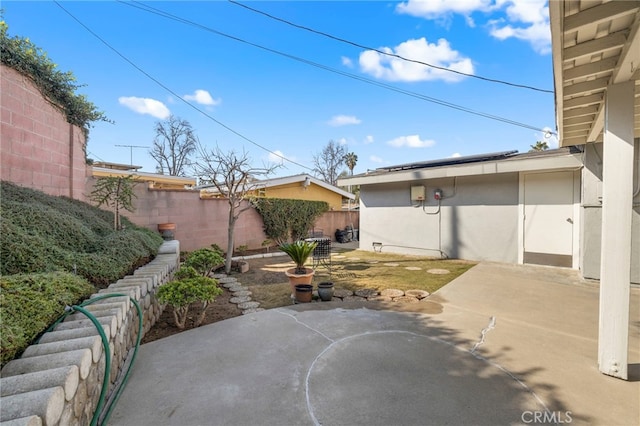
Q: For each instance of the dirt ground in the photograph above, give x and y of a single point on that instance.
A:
(220, 309)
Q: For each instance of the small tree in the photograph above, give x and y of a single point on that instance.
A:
(327, 163)
(539, 146)
(117, 193)
(173, 146)
(204, 261)
(234, 178)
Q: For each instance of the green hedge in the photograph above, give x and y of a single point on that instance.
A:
(30, 303)
(41, 233)
(286, 219)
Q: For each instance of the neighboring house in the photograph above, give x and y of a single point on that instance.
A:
(155, 181)
(298, 187)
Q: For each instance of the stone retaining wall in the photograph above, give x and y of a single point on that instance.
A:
(58, 380)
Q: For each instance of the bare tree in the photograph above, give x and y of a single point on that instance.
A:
(174, 143)
(234, 178)
(327, 163)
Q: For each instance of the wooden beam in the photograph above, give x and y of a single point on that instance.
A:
(597, 85)
(591, 69)
(600, 13)
(592, 47)
(578, 112)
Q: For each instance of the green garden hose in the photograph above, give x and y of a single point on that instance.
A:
(105, 343)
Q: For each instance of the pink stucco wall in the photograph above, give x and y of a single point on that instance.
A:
(38, 148)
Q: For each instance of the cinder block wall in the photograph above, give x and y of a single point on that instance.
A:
(58, 381)
(39, 148)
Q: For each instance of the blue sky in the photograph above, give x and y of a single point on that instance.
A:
(292, 108)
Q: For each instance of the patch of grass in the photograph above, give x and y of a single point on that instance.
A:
(353, 270)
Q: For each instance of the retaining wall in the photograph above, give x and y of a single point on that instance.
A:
(58, 381)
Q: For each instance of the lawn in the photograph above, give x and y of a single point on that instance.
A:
(353, 270)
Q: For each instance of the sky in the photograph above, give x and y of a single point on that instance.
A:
(252, 83)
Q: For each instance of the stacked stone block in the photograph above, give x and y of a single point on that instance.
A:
(58, 380)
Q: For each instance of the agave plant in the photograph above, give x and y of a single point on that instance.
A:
(299, 252)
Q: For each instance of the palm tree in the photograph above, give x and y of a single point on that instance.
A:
(539, 146)
(350, 160)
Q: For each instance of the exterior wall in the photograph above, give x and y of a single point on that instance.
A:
(38, 149)
(591, 211)
(311, 193)
(477, 220)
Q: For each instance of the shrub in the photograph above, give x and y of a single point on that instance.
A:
(299, 251)
(286, 219)
(204, 260)
(30, 303)
(182, 293)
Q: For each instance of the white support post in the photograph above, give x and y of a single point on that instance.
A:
(615, 266)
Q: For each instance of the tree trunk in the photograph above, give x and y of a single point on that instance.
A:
(230, 229)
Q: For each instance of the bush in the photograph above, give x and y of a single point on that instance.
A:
(30, 303)
(182, 293)
(286, 219)
(204, 260)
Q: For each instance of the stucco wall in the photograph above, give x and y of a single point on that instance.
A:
(478, 218)
(39, 149)
(312, 192)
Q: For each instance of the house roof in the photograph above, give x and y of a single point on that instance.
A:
(147, 177)
(595, 43)
(269, 183)
(500, 162)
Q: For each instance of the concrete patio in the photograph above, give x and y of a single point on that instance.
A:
(501, 344)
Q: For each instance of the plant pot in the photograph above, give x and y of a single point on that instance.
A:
(167, 230)
(325, 291)
(299, 278)
(304, 293)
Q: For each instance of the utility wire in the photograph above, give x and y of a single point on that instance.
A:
(174, 93)
(382, 52)
(167, 15)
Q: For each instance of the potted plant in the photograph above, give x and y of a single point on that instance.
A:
(299, 252)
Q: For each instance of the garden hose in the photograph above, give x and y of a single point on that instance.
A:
(105, 343)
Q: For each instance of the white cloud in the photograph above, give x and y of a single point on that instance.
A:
(149, 106)
(436, 9)
(411, 141)
(343, 120)
(375, 159)
(394, 69)
(347, 62)
(368, 139)
(278, 157)
(455, 155)
(343, 141)
(203, 97)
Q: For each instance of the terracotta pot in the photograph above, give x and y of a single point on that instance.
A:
(299, 278)
(304, 293)
(169, 226)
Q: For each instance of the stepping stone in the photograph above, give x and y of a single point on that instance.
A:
(354, 299)
(438, 271)
(252, 311)
(340, 292)
(413, 268)
(380, 299)
(391, 264)
(239, 300)
(241, 293)
(233, 284)
(392, 292)
(366, 292)
(248, 305)
(406, 299)
(418, 294)
(219, 276)
(237, 287)
(227, 280)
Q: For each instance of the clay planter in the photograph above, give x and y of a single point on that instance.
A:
(325, 291)
(167, 230)
(304, 293)
(299, 278)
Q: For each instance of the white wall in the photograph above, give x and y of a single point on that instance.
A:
(478, 218)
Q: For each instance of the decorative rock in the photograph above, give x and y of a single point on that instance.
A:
(379, 299)
(242, 299)
(241, 293)
(252, 311)
(413, 268)
(235, 288)
(406, 299)
(392, 292)
(418, 294)
(391, 264)
(219, 276)
(438, 271)
(248, 305)
(353, 299)
(366, 292)
(231, 284)
(340, 292)
(227, 280)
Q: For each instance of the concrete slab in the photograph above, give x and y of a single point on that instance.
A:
(502, 344)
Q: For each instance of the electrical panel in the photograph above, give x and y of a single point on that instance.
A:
(418, 193)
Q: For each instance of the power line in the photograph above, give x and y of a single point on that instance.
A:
(382, 52)
(167, 15)
(175, 94)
